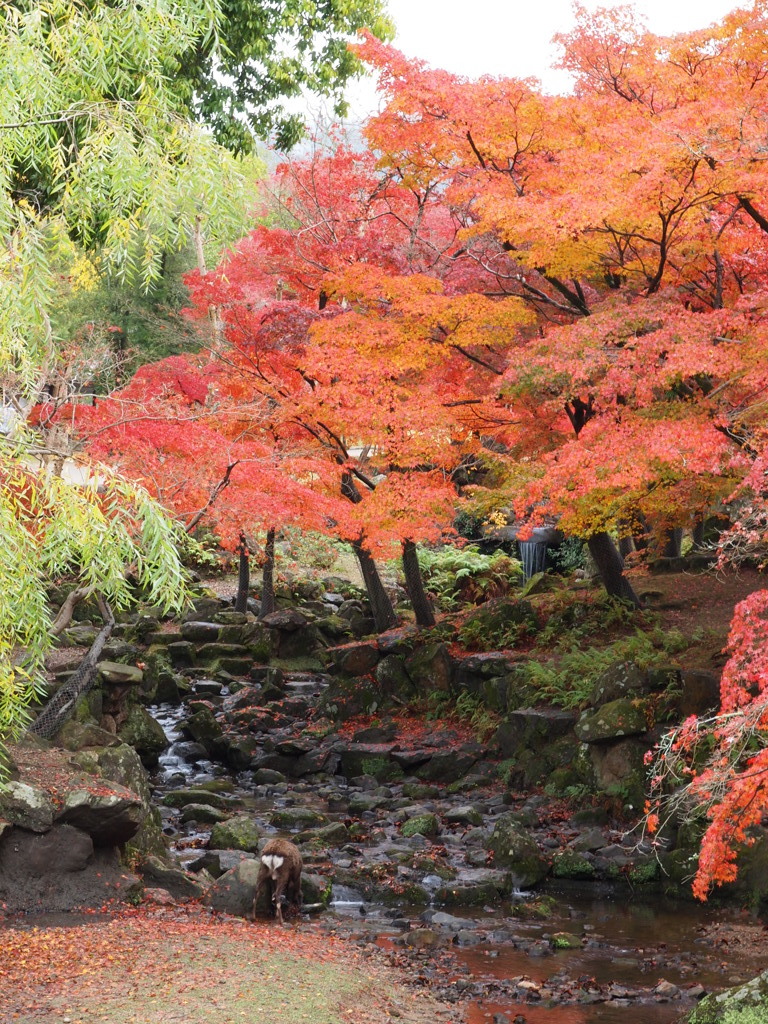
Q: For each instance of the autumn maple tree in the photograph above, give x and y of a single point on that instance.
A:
(628, 216)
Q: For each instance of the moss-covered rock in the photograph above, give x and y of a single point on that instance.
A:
(122, 764)
(623, 717)
(296, 818)
(430, 668)
(513, 848)
(421, 825)
(744, 1004)
(142, 732)
(570, 864)
(239, 833)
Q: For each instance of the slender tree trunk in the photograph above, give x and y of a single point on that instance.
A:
(414, 584)
(268, 576)
(610, 564)
(670, 542)
(243, 575)
(383, 611)
(626, 546)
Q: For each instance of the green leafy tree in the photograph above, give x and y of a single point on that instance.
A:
(102, 173)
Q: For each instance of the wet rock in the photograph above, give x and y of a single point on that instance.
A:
(190, 751)
(465, 815)
(393, 679)
(287, 620)
(294, 818)
(701, 692)
(203, 813)
(422, 938)
(62, 849)
(622, 717)
(410, 759)
(315, 888)
(181, 653)
(77, 736)
(203, 727)
(142, 732)
(333, 834)
(620, 765)
(666, 990)
(442, 920)
(122, 764)
(361, 803)
(218, 862)
(362, 758)
(473, 889)
(267, 777)
(356, 659)
(58, 870)
(566, 940)
(513, 848)
(239, 833)
(240, 751)
(591, 840)
(333, 626)
(208, 687)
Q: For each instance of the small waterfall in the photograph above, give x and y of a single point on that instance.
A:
(533, 555)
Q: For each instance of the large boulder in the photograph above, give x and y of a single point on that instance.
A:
(144, 733)
(622, 679)
(234, 891)
(58, 870)
(111, 815)
(356, 659)
(623, 717)
(744, 1004)
(513, 848)
(532, 729)
(121, 764)
(430, 668)
(26, 805)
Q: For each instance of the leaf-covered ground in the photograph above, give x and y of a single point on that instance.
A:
(174, 966)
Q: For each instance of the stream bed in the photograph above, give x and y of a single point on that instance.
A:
(634, 957)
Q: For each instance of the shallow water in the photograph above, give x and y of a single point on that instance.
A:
(629, 940)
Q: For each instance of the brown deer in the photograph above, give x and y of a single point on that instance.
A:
(280, 869)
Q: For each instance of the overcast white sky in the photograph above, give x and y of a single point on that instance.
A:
(512, 37)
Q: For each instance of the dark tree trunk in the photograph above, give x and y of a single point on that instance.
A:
(381, 606)
(626, 546)
(414, 584)
(670, 543)
(698, 535)
(268, 576)
(610, 565)
(243, 575)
